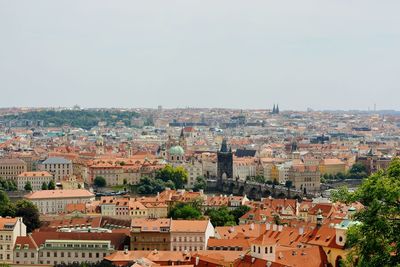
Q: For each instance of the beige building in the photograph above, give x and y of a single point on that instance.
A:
(11, 168)
(305, 178)
(55, 201)
(122, 207)
(10, 229)
(35, 178)
(60, 247)
(169, 234)
(58, 167)
(190, 235)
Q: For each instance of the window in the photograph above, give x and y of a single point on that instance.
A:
(270, 250)
(266, 250)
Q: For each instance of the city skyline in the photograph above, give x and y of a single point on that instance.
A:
(313, 54)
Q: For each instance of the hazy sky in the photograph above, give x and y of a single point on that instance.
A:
(329, 54)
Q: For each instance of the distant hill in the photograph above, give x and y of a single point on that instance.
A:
(85, 119)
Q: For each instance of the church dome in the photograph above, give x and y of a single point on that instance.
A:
(176, 151)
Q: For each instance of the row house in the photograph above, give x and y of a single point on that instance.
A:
(169, 234)
(55, 201)
(10, 230)
(35, 178)
(66, 248)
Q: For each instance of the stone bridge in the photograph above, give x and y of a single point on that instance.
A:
(253, 190)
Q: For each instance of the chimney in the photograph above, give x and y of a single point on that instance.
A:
(197, 260)
(252, 226)
(268, 226)
(301, 230)
(280, 228)
(126, 251)
(274, 227)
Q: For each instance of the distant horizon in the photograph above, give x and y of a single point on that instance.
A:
(228, 108)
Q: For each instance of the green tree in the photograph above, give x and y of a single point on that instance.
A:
(148, 185)
(30, 214)
(51, 185)
(185, 211)
(99, 181)
(44, 186)
(221, 217)
(200, 184)
(239, 212)
(6, 208)
(178, 175)
(28, 186)
(288, 185)
(376, 240)
(342, 194)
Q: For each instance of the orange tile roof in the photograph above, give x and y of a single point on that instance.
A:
(64, 193)
(7, 221)
(191, 226)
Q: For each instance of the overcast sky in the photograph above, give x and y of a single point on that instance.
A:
(321, 54)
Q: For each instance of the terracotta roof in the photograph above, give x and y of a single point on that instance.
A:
(64, 193)
(154, 256)
(35, 174)
(25, 242)
(7, 221)
(248, 231)
(195, 226)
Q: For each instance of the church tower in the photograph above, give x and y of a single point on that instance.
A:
(225, 162)
(182, 140)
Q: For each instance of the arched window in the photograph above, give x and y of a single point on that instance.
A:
(259, 250)
(270, 249)
(254, 248)
(266, 250)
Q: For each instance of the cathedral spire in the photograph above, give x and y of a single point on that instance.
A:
(224, 146)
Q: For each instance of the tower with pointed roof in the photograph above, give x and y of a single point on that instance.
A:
(224, 162)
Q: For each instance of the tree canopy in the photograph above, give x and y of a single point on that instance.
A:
(51, 185)
(200, 184)
(185, 211)
(7, 185)
(22, 208)
(85, 119)
(99, 181)
(169, 176)
(28, 186)
(376, 240)
(178, 175)
(221, 217)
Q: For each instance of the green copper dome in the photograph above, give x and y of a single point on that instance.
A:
(176, 151)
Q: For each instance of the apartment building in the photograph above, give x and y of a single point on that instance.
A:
(190, 235)
(63, 247)
(36, 179)
(55, 201)
(122, 207)
(10, 230)
(305, 178)
(150, 234)
(58, 167)
(11, 168)
(169, 234)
